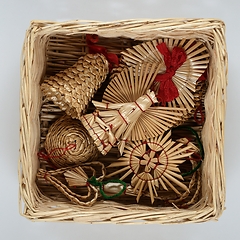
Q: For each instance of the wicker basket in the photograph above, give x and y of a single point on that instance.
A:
(51, 47)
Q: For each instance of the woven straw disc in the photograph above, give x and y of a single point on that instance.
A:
(63, 133)
(73, 88)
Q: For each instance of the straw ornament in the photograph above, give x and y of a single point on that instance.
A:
(73, 88)
(153, 163)
(115, 122)
(75, 187)
(180, 64)
(128, 112)
(66, 132)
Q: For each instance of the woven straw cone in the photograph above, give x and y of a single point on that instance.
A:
(50, 47)
(64, 132)
(73, 88)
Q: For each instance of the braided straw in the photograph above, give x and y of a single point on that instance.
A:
(75, 176)
(73, 88)
(64, 132)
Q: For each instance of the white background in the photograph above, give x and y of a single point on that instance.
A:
(15, 17)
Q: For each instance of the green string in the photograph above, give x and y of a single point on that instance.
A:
(93, 181)
(200, 148)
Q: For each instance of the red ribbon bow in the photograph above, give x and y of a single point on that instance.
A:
(173, 60)
(111, 57)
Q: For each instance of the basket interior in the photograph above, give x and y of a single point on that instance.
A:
(62, 52)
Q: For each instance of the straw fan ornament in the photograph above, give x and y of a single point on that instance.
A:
(128, 112)
(153, 164)
(181, 64)
(73, 88)
(68, 143)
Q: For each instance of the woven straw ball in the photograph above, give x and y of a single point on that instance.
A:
(68, 143)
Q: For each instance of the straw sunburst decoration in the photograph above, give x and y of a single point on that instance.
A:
(153, 163)
(180, 64)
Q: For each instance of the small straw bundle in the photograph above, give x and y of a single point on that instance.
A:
(65, 178)
(73, 88)
(68, 143)
(126, 112)
(153, 163)
(186, 72)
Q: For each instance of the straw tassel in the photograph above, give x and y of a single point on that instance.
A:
(115, 121)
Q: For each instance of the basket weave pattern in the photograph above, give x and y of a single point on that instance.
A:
(50, 39)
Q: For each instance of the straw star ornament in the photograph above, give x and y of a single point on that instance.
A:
(153, 163)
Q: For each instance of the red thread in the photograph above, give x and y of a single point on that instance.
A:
(44, 156)
(96, 133)
(122, 117)
(137, 175)
(112, 58)
(69, 147)
(173, 60)
(139, 106)
(150, 99)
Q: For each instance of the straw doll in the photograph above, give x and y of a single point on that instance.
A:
(128, 112)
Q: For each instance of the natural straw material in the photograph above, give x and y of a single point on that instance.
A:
(51, 47)
(185, 77)
(67, 132)
(153, 163)
(128, 112)
(74, 177)
(73, 88)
